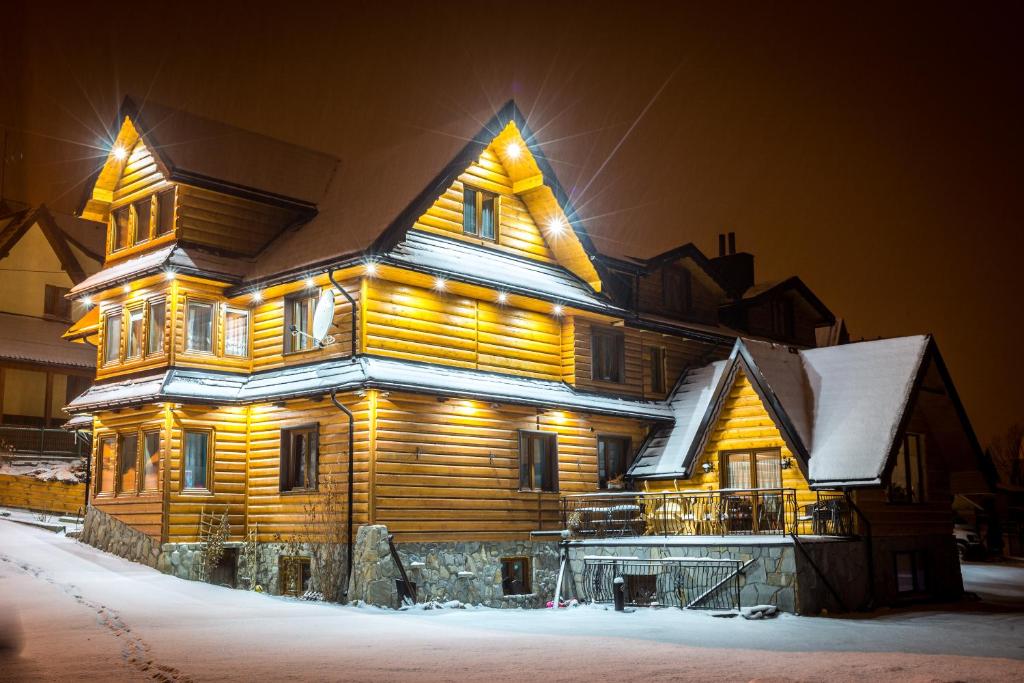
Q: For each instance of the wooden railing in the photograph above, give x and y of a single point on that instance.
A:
(36, 441)
(729, 512)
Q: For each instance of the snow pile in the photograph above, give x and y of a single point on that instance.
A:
(759, 612)
(67, 471)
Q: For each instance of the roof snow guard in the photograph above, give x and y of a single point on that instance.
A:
(838, 408)
(205, 387)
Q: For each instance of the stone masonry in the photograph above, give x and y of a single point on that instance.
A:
(107, 533)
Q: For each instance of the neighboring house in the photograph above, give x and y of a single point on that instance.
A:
(42, 256)
(485, 373)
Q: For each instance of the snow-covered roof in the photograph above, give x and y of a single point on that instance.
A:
(199, 386)
(840, 407)
(689, 403)
(482, 265)
(123, 270)
(35, 340)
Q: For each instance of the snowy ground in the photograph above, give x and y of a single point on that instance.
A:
(77, 613)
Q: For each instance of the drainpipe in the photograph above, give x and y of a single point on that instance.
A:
(351, 453)
(352, 302)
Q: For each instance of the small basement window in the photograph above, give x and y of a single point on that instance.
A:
(299, 447)
(295, 574)
(641, 589)
(910, 572)
(515, 575)
(479, 213)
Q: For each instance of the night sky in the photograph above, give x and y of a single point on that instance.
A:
(876, 155)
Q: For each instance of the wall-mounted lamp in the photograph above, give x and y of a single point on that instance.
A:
(786, 463)
(707, 467)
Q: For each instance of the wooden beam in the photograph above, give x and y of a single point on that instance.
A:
(48, 408)
(527, 183)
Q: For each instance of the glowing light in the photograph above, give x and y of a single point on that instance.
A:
(466, 408)
(119, 152)
(556, 310)
(440, 284)
(126, 289)
(370, 268)
(513, 150)
(169, 275)
(556, 226)
(257, 296)
(87, 301)
(310, 283)
(502, 297)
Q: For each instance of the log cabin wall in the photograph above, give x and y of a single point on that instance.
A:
(705, 295)
(227, 223)
(414, 323)
(140, 509)
(449, 470)
(761, 318)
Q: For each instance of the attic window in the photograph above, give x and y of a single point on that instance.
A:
(143, 211)
(122, 229)
(677, 290)
(479, 213)
(782, 318)
(164, 212)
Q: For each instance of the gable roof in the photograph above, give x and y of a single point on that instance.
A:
(35, 340)
(838, 408)
(60, 232)
(764, 290)
(374, 200)
(198, 151)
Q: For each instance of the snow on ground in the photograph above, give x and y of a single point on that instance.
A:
(88, 615)
(71, 471)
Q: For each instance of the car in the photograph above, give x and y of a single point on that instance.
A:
(968, 542)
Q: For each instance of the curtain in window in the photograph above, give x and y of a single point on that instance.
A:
(151, 461)
(738, 471)
(129, 459)
(112, 338)
(142, 211)
(122, 228)
(301, 320)
(469, 211)
(107, 465)
(134, 333)
(200, 327)
(236, 333)
(487, 218)
(769, 471)
(155, 331)
(196, 444)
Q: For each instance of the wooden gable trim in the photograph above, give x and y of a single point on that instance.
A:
(54, 235)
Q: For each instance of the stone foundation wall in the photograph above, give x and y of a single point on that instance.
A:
(844, 563)
(769, 580)
(102, 531)
(468, 571)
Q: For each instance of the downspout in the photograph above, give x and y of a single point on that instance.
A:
(352, 302)
(351, 454)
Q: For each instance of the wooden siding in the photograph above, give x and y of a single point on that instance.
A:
(450, 470)
(227, 223)
(517, 231)
(142, 511)
(139, 178)
(403, 321)
(706, 295)
(46, 496)
(157, 291)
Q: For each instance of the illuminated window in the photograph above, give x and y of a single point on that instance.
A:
(196, 473)
(112, 337)
(155, 326)
(164, 212)
(236, 332)
(143, 210)
(151, 461)
(128, 463)
(134, 345)
(106, 463)
(298, 321)
(479, 213)
(199, 327)
(907, 482)
(121, 223)
(608, 355)
(299, 458)
(538, 461)
(613, 459)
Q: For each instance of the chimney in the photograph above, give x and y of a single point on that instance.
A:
(734, 270)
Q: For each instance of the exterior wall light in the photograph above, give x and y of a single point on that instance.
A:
(513, 150)
(786, 463)
(707, 467)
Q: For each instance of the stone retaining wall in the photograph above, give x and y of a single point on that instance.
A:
(102, 531)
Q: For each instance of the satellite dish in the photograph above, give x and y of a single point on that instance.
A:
(323, 317)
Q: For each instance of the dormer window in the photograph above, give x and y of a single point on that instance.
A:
(143, 211)
(122, 226)
(164, 212)
(677, 290)
(479, 213)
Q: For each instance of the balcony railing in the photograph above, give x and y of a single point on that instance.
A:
(36, 441)
(729, 512)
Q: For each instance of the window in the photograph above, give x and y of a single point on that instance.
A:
(298, 318)
(151, 461)
(197, 451)
(612, 459)
(538, 461)
(677, 290)
(55, 305)
(106, 461)
(782, 318)
(907, 483)
(751, 470)
(515, 575)
(165, 212)
(134, 346)
(608, 349)
(143, 209)
(910, 572)
(128, 462)
(236, 332)
(121, 222)
(112, 337)
(295, 575)
(155, 327)
(299, 458)
(656, 366)
(479, 213)
(199, 327)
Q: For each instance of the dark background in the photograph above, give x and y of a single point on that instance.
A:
(874, 151)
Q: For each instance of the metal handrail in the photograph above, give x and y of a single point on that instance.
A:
(20, 440)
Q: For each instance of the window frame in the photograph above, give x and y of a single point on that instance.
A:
(527, 575)
(157, 204)
(783, 317)
(918, 572)
(661, 364)
(529, 466)
(480, 197)
(914, 495)
(129, 228)
(144, 432)
(283, 574)
(123, 458)
(156, 304)
(210, 451)
(285, 455)
(109, 438)
(189, 302)
(723, 473)
(627, 456)
(289, 337)
(56, 306)
(683, 287)
(619, 339)
(140, 233)
(247, 351)
(127, 329)
(109, 316)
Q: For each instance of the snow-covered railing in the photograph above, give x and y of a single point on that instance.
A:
(689, 582)
(36, 441)
(726, 512)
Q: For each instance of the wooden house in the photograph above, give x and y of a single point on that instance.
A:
(482, 368)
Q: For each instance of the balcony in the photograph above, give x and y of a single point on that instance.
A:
(39, 442)
(729, 512)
